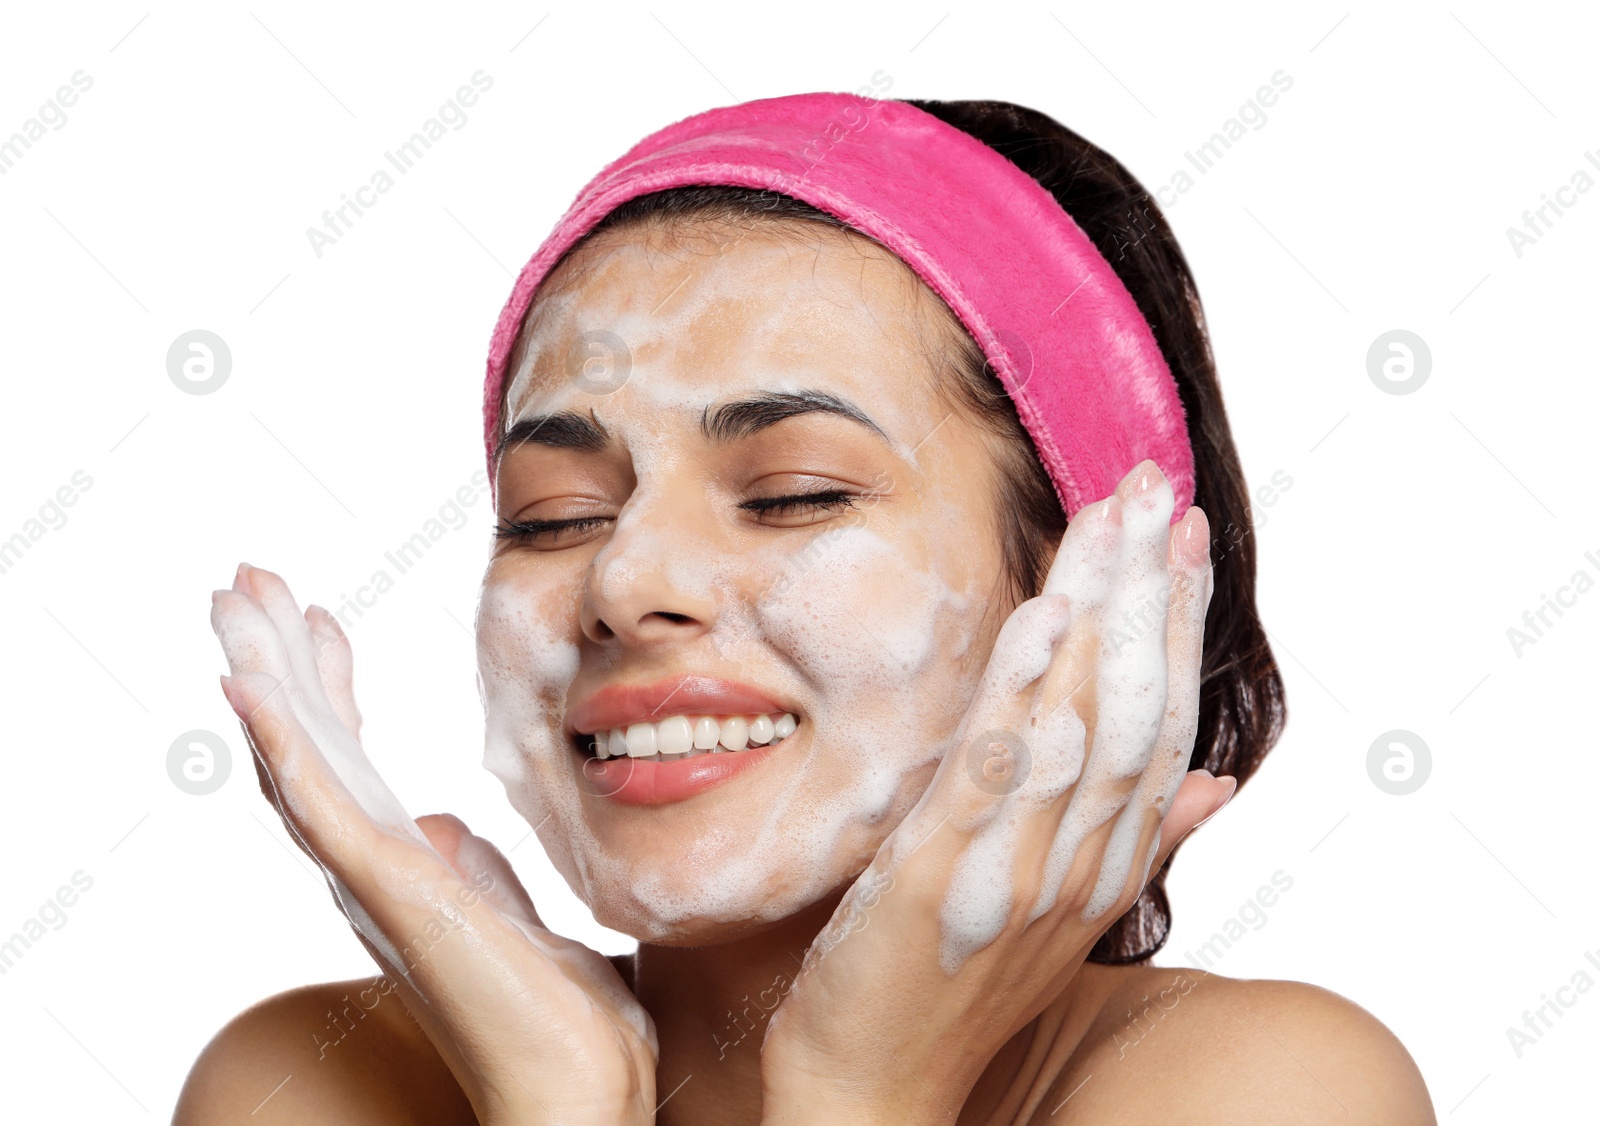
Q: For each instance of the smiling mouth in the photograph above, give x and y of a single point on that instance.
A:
(680, 737)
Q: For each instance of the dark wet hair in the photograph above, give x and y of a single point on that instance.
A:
(1242, 708)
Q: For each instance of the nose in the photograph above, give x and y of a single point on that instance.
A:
(651, 583)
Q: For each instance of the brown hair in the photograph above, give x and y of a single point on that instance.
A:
(1242, 709)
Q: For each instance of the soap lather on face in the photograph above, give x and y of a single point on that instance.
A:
(867, 620)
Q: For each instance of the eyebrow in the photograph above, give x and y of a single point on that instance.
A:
(753, 414)
(566, 430)
(569, 430)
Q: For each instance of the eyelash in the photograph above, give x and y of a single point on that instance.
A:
(529, 531)
(828, 499)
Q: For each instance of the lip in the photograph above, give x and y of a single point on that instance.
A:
(651, 782)
(618, 705)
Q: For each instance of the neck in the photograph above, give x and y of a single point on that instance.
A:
(711, 1004)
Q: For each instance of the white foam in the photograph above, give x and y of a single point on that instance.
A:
(865, 634)
(1116, 580)
(851, 636)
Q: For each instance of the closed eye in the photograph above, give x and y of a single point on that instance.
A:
(827, 500)
(532, 531)
(794, 504)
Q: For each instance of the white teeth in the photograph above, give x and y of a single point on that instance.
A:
(691, 735)
(673, 736)
(735, 733)
(641, 740)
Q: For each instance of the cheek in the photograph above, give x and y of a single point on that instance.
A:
(528, 634)
(880, 634)
(527, 659)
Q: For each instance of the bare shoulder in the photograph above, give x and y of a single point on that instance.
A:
(344, 1052)
(1226, 1050)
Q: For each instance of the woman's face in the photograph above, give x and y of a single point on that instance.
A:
(661, 576)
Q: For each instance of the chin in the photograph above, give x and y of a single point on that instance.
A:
(701, 896)
(650, 926)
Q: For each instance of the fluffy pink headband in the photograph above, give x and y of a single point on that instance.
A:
(1056, 323)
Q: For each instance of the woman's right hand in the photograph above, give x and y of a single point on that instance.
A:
(535, 1027)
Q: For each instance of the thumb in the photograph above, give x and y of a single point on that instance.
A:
(474, 859)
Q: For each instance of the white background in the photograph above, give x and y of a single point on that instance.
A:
(1417, 530)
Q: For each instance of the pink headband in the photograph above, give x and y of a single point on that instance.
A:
(1056, 323)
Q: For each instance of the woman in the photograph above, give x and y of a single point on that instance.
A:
(794, 660)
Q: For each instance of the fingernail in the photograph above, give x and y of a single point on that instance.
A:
(1191, 542)
(1233, 787)
(228, 694)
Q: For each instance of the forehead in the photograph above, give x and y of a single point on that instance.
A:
(700, 311)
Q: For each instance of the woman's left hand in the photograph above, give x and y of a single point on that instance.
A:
(1065, 791)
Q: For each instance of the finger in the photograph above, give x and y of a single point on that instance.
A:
(1130, 852)
(1130, 675)
(236, 620)
(1032, 768)
(335, 666)
(318, 809)
(995, 754)
(254, 645)
(273, 595)
(1126, 579)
